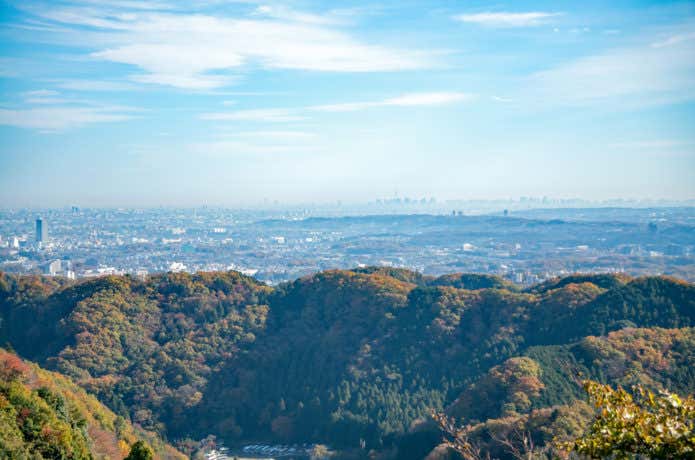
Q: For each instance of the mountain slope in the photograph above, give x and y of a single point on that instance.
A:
(145, 348)
(45, 415)
(361, 356)
(539, 396)
(343, 357)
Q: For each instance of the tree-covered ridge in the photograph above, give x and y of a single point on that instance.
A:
(529, 396)
(656, 358)
(347, 357)
(45, 415)
(145, 348)
(367, 364)
(474, 282)
(603, 281)
(318, 340)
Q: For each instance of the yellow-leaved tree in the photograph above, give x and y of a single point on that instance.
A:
(643, 423)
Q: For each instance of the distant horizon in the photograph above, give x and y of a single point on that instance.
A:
(534, 203)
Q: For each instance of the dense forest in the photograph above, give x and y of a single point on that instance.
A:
(356, 359)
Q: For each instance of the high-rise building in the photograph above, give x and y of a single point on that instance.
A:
(41, 231)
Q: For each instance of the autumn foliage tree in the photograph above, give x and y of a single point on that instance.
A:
(641, 423)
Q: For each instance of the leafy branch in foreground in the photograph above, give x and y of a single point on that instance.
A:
(654, 425)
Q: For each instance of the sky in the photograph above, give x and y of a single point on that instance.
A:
(230, 103)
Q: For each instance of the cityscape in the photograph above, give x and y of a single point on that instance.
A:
(525, 246)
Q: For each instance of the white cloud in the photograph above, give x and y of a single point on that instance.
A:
(62, 118)
(634, 76)
(424, 99)
(283, 13)
(44, 96)
(674, 40)
(405, 100)
(190, 81)
(93, 85)
(506, 19)
(265, 115)
(298, 114)
(40, 93)
(46, 100)
(131, 4)
(198, 51)
(284, 135)
(179, 65)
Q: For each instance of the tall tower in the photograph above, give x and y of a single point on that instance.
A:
(41, 231)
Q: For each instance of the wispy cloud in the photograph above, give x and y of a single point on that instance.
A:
(40, 93)
(297, 114)
(506, 19)
(639, 75)
(52, 119)
(674, 40)
(275, 135)
(265, 115)
(198, 51)
(44, 97)
(93, 85)
(406, 100)
(284, 13)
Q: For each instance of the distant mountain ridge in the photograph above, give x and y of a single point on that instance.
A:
(346, 356)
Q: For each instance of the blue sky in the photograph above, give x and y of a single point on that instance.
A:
(156, 102)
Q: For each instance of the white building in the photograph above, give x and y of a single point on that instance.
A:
(54, 268)
(177, 267)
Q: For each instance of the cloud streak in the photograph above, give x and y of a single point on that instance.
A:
(264, 115)
(639, 75)
(54, 119)
(406, 100)
(432, 99)
(506, 19)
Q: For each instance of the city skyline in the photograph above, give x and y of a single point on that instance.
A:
(525, 245)
(234, 103)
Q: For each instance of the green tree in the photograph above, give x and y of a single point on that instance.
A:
(140, 451)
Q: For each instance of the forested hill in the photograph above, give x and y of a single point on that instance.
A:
(45, 415)
(342, 357)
